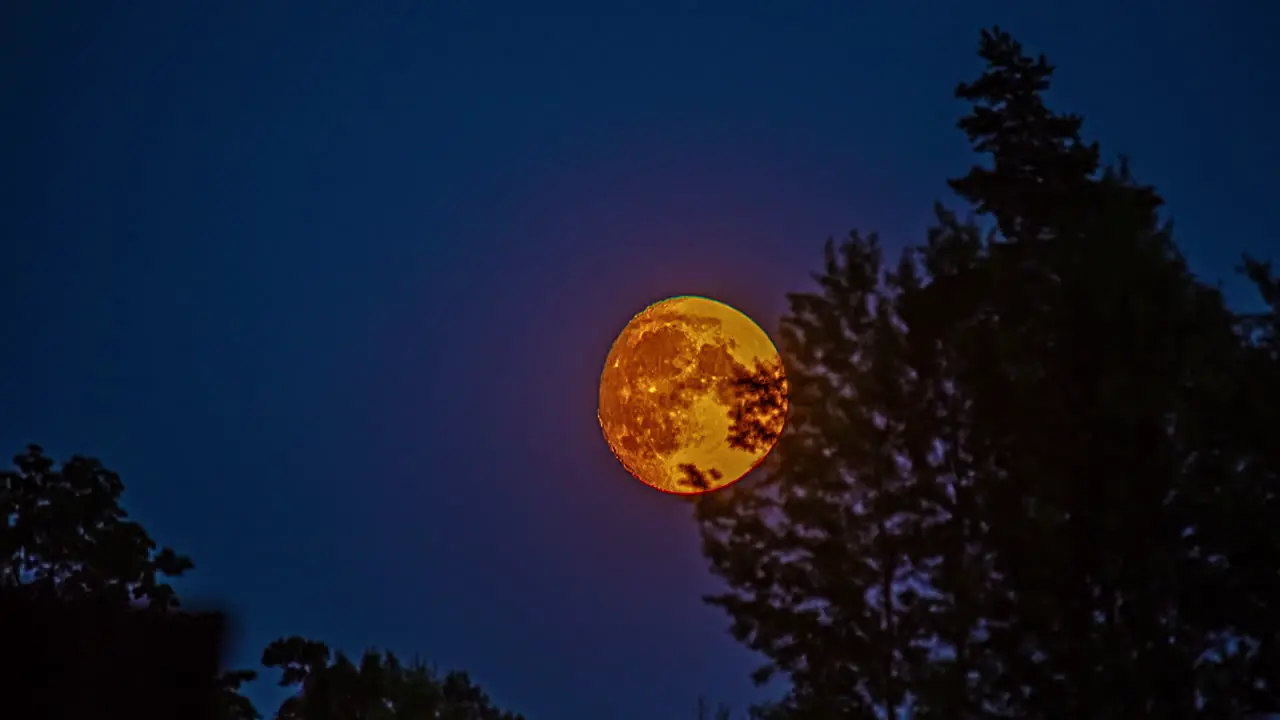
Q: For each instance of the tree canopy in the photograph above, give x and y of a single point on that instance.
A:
(68, 543)
(1028, 471)
(67, 535)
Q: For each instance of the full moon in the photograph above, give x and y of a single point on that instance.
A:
(693, 395)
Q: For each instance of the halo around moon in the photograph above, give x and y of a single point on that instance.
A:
(693, 395)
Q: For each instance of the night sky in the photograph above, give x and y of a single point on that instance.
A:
(331, 284)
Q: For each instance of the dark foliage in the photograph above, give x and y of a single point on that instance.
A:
(696, 478)
(91, 658)
(380, 687)
(85, 587)
(88, 628)
(67, 535)
(760, 408)
(1028, 473)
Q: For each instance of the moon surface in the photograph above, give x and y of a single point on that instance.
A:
(693, 395)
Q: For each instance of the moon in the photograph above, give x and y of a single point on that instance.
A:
(693, 395)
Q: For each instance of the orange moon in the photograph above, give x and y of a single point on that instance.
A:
(693, 395)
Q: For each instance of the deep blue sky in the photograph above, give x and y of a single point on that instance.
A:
(330, 284)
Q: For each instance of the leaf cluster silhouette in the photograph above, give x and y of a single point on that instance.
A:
(695, 478)
(760, 410)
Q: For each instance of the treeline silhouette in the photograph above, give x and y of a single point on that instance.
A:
(90, 628)
(1030, 470)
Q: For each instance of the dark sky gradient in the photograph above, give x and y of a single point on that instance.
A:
(330, 284)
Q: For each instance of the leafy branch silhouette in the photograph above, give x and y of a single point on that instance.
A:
(760, 408)
(696, 478)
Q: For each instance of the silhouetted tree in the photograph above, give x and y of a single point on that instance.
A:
(818, 552)
(1126, 526)
(69, 551)
(67, 535)
(1028, 472)
(332, 687)
(70, 555)
(71, 560)
(231, 704)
